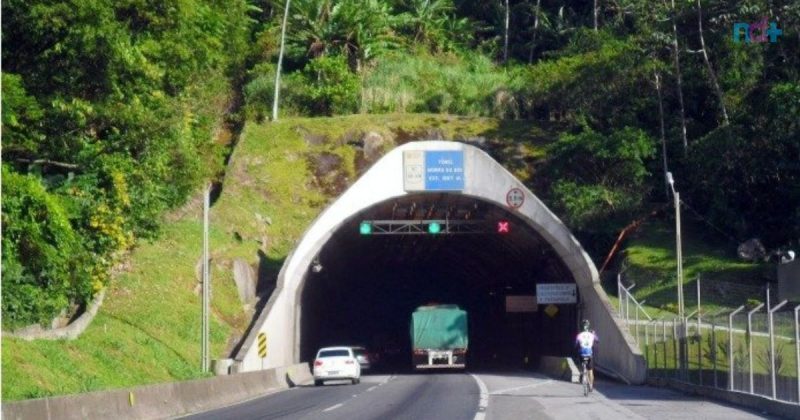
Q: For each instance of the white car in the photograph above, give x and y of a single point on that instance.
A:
(336, 363)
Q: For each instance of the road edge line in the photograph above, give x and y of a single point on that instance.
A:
(483, 402)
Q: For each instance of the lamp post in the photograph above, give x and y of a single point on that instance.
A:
(678, 249)
(683, 360)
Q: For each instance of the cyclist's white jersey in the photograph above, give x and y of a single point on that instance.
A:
(585, 341)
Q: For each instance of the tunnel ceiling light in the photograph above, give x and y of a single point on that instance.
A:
(434, 228)
(365, 228)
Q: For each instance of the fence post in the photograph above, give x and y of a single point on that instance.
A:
(675, 346)
(664, 341)
(698, 303)
(699, 335)
(619, 294)
(772, 346)
(628, 304)
(730, 346)
(797, 348)
(655, 343)
(750, 340)
(714, 346)
(699, 350)
(636, 309)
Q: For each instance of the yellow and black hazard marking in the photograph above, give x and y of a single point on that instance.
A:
(262, 345)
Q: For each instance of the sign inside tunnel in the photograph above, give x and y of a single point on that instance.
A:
(433, 170)
(521, 303)
(548, 293)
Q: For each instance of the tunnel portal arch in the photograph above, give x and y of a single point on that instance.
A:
(387, 181)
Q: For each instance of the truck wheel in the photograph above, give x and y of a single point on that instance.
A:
(318, 383)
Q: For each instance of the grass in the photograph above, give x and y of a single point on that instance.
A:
(650, 261)
(663, 354)
(148, 329)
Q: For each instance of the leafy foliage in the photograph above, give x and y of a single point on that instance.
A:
(600, 177)
(45, 265)
(108, 108)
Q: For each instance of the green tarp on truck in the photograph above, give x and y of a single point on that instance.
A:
(440, 327)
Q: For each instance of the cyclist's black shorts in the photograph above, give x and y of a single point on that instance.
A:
(589, 362)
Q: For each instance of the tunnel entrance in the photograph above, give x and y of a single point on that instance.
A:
(362, 288)
(340, 287)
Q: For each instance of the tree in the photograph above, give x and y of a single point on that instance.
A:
(712, 75)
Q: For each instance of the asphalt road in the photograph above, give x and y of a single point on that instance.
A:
(481, 396)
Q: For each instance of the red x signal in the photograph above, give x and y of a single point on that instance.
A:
(503, 226)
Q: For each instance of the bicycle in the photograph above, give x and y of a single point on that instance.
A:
(584, 376)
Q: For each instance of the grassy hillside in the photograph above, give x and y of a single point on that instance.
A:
(280, 176)
(651, 264)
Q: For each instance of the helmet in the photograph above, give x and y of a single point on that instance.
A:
(586, 325)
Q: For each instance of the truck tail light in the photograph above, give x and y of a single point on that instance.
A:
(459, 351)
(419, 352)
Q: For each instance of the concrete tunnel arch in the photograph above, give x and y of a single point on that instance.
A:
(484, 179)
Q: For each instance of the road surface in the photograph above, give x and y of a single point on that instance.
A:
(476, 396)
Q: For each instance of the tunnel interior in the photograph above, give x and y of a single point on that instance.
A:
(362, 288)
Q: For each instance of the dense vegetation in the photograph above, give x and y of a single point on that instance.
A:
(109, 109)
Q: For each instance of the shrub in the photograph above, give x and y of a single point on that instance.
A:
(38, 233)
(600, 176)
(330, 87)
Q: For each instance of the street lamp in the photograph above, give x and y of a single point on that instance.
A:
(678, 249)
(683, 362)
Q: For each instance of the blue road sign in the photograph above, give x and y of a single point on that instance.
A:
(444, 170)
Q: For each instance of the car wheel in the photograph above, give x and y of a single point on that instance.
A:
(356, 381)
(317, 382)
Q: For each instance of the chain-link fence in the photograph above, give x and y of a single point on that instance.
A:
(748, 346)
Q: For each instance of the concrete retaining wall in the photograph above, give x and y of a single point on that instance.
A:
(161, 400)
(70, 332)
(560, 368)
(756, 402)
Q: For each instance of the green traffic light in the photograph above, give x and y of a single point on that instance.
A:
(366, 228)
(434, 228)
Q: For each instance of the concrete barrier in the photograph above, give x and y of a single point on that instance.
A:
(161, 400)
(560, 368)
(756, 402)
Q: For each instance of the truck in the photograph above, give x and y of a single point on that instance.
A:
(439, 337)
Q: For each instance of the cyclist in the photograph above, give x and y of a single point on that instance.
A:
(586, 340)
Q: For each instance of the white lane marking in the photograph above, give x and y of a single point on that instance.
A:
(333, 407)
(372, 388)
(483, 402)
(516, 388)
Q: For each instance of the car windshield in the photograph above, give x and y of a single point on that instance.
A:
(334, 353)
